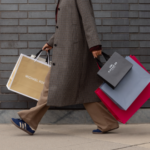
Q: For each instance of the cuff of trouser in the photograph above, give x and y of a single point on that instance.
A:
(115, 126)
(27, 121)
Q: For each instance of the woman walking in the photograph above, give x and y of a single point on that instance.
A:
(72, 78)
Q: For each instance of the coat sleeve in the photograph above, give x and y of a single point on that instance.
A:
(86, 11)
(51, 41)
(96, 48)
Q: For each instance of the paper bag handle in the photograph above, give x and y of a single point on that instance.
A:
(47, 58)
(99, 63)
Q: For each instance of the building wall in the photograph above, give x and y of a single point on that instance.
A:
(26, 25)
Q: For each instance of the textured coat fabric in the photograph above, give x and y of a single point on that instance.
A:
(95, 48)
(73, 78)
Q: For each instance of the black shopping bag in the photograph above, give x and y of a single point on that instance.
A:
(115, 68)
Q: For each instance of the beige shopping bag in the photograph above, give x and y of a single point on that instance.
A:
(28, 77)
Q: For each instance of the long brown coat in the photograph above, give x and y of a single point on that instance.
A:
(73, 78)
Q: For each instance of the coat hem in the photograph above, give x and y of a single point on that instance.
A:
(55, 105)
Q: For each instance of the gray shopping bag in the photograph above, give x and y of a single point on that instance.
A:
(129, 88)
(114, 70)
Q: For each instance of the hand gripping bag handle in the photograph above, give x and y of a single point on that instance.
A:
(100, 64)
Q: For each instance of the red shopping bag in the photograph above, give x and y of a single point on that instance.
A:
(122, 115)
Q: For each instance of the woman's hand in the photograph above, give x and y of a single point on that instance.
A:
(97, 53)
(46, 47)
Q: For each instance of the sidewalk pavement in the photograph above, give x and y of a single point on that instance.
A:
(75, 137)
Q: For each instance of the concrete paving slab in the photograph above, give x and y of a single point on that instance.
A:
(97, 145)
(145, 145)
(132, 148)
(75, 137)
(126, 134)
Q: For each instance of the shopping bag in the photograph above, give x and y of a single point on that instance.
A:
(122, 115)
(28, 76)
(114, 70)
(129, 88)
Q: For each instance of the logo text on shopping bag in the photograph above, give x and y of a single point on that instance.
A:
(34, 79)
